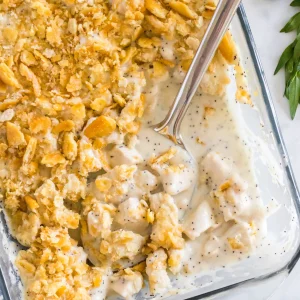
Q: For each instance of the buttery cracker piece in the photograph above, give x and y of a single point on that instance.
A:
(211, 4)
(130, 53)
(183, 9)
(67, 125)
(90, 159)
(31, 203)
(156, 8)
(227, 48)
(75, 84)
(145, 42)
(146, 55)
(193, 43)
(102, 126)
(3, 87)
(72, 26)
(30, 76)
(78, 112)
(158, 25)
(14, 135)
(208, 111)
(30, 150)
(164, 157)
(207, 14)
(19, 45)
(98, 104)
(44, 62)
(3, 148)
(119, 99)
(52, 159)
(69, 146)
(74, 188)
(185, 64)
(40, 125)
(28, 58)
(159, 70)
(182, 26)
(69, 2)
(10, 34)
(53, 33)
(8, 76)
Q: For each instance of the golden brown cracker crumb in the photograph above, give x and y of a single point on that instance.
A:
(72, 84)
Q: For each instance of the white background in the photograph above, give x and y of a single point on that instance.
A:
(266, 18)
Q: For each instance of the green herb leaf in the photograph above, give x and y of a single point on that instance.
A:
(295, 3)
(292, 24)
(289, 74)
(294, 94)
(297, 50)
(290, 66)
(290, 61)
(285, 57)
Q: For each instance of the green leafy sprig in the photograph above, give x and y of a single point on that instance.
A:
(290, 60)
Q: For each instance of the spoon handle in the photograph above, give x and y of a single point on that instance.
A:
(208, 46)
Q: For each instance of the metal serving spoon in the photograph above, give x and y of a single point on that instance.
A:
(222, 17)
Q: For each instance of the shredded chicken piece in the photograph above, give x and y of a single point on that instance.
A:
(156, 270)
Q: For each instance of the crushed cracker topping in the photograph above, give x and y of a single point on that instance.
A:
(72, 80)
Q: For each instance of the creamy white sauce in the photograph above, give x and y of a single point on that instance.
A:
(206, 253)
(222, 132)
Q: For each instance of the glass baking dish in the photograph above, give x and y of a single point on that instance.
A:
(279, 254)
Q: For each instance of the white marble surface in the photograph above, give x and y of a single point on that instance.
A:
(266, 18)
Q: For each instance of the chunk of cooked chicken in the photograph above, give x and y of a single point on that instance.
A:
(166, 230)
(90, 159)
(175, 176)
(52, 210)
(145, 182)
(75, 187)
(220, 173)
(25, 227)
(229, 190)
(122, 244)
(156, 269)
(132, 211)
(175, 260)
(122, 182)
(100, 218)
(241, 237)
(122, 155)
(126, 283)
(199, 220)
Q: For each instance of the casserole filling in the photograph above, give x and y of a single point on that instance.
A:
(103, 204)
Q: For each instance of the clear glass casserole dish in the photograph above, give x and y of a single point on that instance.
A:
(273, 172)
